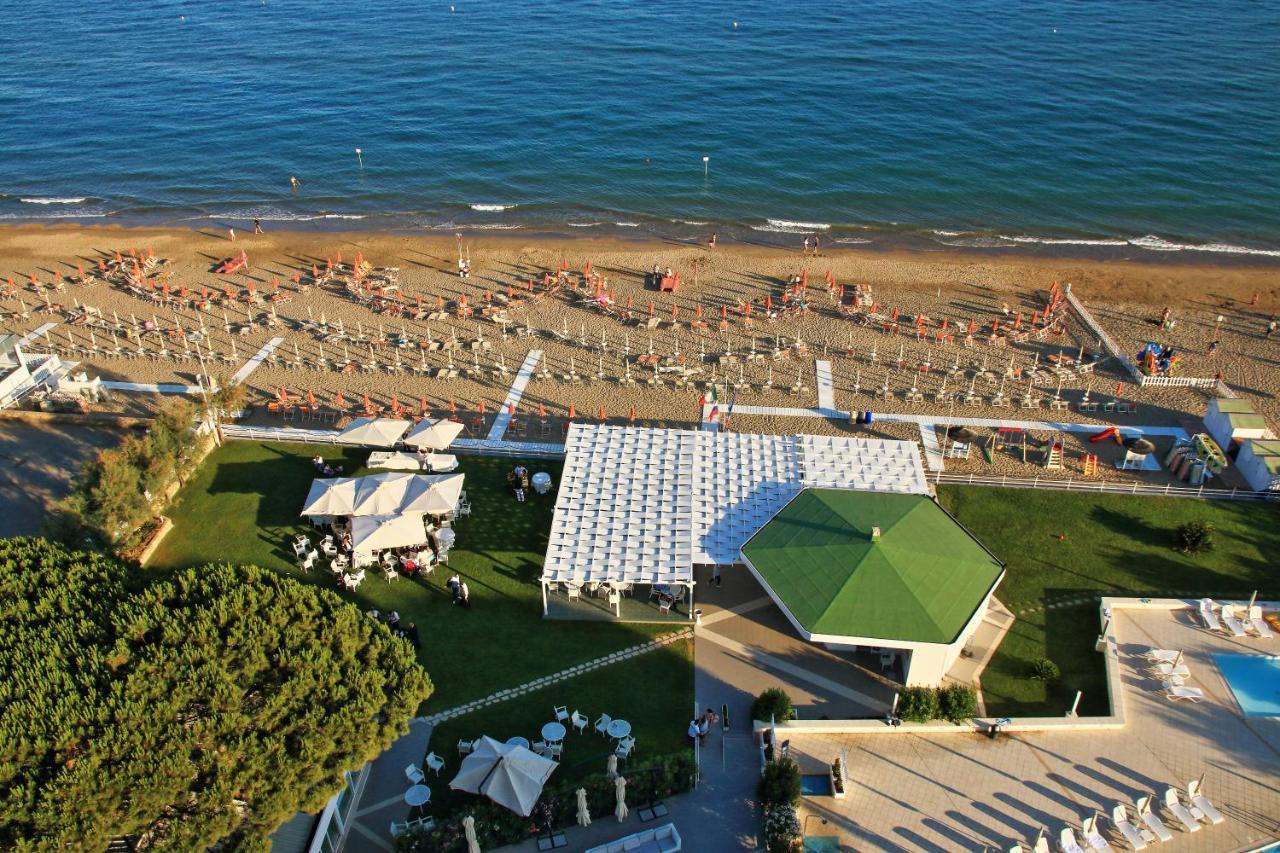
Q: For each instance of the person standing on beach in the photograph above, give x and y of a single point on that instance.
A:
(816, 244)
(257, 225)
(806, 245)
(1271, 326)
(232, 233)
(711, 244)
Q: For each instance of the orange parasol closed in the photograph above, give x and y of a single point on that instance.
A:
(367, 404)
(632, 415)
(573, 411)
(311, 400)
(542, 411)
(511, 409)
(600, 414)
(452, 408)
(422, 406)
(481, 407)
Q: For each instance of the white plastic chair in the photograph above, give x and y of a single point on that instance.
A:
(1173, 805)
(562, 713)
(330, 550)
(1152, 820)
(390, 573)
(435, 763)
(579, 722)
(602, 724)
(465, 747)
(1200, 805)
(414, 774)
(308, 561)
(553, 751)
(355, 580)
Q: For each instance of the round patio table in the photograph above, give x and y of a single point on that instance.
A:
(541, 482)
(518, 741)
(418, 795)
(553, 732)
(618, 729)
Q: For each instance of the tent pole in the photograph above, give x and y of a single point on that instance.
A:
(690, 599)
(544, 597)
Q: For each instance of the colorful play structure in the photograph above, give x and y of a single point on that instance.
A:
(1197, 460)
(1157, 360)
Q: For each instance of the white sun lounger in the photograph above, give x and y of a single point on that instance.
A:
(1162, 655)
(1207, 616)
(1067, 841)
(1255, 623)
(1138, 838)
(1152, 820)
(1200, 805)
(1234, 626)
(1173, 690)
(1168, 670)
(1089, 830)
(1173, 805)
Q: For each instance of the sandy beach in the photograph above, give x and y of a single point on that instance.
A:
(764, 362)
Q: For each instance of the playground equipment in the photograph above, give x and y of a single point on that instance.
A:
(1090, 464)
(1109, 432)
(1196, 460)
(1157, 360)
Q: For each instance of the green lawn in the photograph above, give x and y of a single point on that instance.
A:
(653, 692)
(242, 504)
(1114, 545)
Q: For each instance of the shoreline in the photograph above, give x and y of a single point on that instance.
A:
(735, 236)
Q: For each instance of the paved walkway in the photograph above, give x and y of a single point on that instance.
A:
(503, 418)
(252, 364)
(35, 333)
(151, 387)
(826, 386)
(381, 794)
(933, 459)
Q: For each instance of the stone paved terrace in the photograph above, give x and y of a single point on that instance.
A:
(964, 791)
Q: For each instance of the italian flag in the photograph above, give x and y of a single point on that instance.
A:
(714, 399)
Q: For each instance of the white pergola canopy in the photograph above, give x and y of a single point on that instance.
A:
(646, 505)
(374, 432)
(433, 435)
(511, 776)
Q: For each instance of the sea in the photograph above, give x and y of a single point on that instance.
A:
(1040, 125)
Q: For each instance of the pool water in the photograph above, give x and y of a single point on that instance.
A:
(1255, 681)
(815, 785)
(822, 844)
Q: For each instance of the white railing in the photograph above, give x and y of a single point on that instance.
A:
(1101, 333)
(1178, 382)
(482, 447)
(1100, 486)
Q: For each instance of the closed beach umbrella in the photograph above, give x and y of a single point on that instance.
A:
(611, 766)
(584, 816)
(469, 827)
(620, 788)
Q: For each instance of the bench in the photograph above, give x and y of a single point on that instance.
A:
(660, 839)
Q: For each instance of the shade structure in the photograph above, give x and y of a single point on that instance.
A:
(380, 494)
(334, 496)
(511, 776)
(852, 564)
(439, 494)
(469, 830)
(434, 435)
(374, 432)
(376, 532)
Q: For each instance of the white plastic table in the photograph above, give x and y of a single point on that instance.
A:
(518, 741)
(418, 795)
(619, 729)
(541, 482)
(553, 732)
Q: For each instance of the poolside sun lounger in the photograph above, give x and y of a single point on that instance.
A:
(1207, 615)
(1200, 803)
(1173, 805)
(1152, 820)
(1175, 691)
(1067, 841)
(1162, 655)
(1255, 623)
(1234, 625)
(1089, 830)
(1169, 670)
(1138, 839)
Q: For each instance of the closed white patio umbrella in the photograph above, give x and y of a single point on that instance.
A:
(620, 789)
(469, 827)
(584, 814)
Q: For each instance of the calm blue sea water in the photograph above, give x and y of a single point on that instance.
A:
(980, 123)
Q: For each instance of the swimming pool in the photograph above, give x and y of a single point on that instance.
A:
(1255, 681)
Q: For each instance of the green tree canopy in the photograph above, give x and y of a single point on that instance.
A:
(207, 704)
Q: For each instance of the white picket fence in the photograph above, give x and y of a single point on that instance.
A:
(1177, 382)
(483, 447)
(1103, 487)
(1107, 341)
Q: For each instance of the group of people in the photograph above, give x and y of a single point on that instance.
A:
(461, 593)
(518, 480)
(408, 632)
(324, 468)
(699, 727)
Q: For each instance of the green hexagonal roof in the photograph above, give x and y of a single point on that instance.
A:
(920, 582)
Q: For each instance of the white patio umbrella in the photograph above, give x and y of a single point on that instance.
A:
(434, 435)
(469, 827)
(611, 766)
(389, 492)
(376, 532)
(374, 432)
(434, 494)
(511, 776)
(620, 788)
(331, 497)
(584, 814)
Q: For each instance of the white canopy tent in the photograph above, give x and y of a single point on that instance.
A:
(511, 776)
(396, 461)
(374, 432)
(395, 491)
(331, 497)
(433, 435)
(440, 496)
(387, 493)
(371, 533)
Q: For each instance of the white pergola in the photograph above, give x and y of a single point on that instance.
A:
(646, 505)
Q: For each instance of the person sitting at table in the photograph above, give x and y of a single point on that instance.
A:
(410, 566)
(692, 733)
(393, 619)
(455, 586)
(346, 541)
(326, 470)
(317, 462)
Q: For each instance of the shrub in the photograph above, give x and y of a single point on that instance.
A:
(1045, 670)
(782, 832)
(918, 704)
(958, 703)
(774, 704)
(780, 782)
(1193, 537)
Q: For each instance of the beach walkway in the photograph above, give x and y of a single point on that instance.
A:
(503, 419)
(252, 364)
(35, 333)
(826, 388)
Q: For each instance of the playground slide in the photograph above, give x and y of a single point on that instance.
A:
(986, 454)
(1109, 432)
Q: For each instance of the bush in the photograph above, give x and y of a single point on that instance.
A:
(1193, 537)
(780, 782)
(958, 702)
(782, 832)
(918, 704)
(774, 704)
(1045, 670)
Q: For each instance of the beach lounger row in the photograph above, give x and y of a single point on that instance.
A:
(1234, 621)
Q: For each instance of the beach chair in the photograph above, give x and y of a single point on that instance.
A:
(1163, 655)
(1200, 805)
(1207, 615)
(1137, 838)
(1089, 831)
(1169, 670)
(1234, 626)
(1067, 841)
(1173, 805)
(1255, 623)
(1175, 691)
(1152, 820)
(1041, 844)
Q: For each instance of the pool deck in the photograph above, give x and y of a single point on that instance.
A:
(964, 791)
